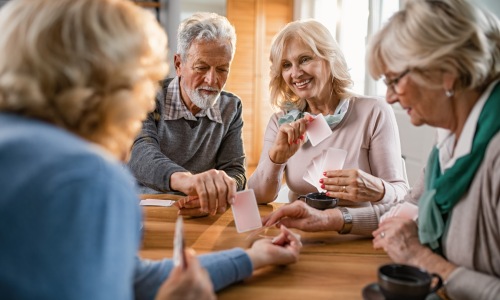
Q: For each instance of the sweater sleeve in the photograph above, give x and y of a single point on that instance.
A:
(385, 157)
(267, 177)
(224, 267)
(150, 166)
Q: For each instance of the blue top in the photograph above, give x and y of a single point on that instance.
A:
(70, 222)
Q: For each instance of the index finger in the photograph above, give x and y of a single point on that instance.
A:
(288, 210)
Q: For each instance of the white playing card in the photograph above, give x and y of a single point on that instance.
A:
(318, 130)
(245, 211)
(334, 159)
(179, 254)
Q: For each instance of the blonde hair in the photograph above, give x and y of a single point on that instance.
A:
(319, 39)
(447, 35)
(89, 66)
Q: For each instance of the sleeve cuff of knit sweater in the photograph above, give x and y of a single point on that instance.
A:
(464, 283)
(364, 221)
(389, 195)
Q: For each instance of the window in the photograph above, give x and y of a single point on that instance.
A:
(351, 23)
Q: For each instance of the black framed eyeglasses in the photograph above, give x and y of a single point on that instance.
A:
(393, 83)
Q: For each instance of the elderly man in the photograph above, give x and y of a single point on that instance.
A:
(192, 142)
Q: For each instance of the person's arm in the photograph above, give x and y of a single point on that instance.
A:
(150, 166)
(224, 268)
(231, 153)
(385, 157)
(267, 177)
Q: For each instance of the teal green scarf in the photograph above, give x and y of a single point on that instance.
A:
(442, 191)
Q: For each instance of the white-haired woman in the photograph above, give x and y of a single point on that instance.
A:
(77, 78)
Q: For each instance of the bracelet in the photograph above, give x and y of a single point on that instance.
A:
(347, 221)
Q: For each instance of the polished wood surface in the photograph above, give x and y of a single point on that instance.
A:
(331, 266)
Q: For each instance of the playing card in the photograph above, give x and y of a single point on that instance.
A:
(179, 251)
(245, 211)
(318, 130)
(334, 159)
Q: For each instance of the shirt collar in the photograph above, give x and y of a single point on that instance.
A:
(448, 154)
(176, 109)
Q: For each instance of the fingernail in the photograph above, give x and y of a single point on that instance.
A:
(274, 240)
(231, 200)
(322, 186)
(324, 173)
(321, 181)
(302, 137)
(327, 193)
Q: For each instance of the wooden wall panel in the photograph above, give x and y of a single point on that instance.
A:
(256, 22)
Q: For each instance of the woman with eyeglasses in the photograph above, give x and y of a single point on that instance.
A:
(441, 62)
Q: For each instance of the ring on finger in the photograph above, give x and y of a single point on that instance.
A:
(344, 189)
(382, 234)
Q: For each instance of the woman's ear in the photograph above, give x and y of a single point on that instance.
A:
(449, 81)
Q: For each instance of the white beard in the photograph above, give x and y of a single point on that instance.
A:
(200, 100)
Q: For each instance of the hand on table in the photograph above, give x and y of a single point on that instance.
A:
(290, 137)
(301, 216)
(191, 283)
(214, 188)
(283, 249)
(190, 206)
(354, 185)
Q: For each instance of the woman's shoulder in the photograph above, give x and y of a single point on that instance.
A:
(370, 104)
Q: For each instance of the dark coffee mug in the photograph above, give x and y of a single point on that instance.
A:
(397, 281)
(319, 200)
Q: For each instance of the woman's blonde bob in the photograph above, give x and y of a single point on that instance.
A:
(444, 35)
(89, 66)
(319, 39)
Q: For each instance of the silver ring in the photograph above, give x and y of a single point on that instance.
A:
(382, 234)
(344, 189)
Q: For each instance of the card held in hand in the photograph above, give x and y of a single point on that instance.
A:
(245, 211)
(179, 251)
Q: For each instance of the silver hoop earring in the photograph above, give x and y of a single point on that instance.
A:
(449, 93)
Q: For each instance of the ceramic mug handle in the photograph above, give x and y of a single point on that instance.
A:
(439, 283)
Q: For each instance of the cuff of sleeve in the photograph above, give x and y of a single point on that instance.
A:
(364, 221)
(227, 267)
(468, 284)
(389, 195)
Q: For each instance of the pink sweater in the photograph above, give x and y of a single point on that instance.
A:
(369, 134)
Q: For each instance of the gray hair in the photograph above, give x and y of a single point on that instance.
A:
(204, 26)
(448, 35)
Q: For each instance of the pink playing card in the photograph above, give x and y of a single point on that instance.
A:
(318, 130)
(245, 211)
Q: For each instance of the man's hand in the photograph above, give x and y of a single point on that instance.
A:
(214, 189)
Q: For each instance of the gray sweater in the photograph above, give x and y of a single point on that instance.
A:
(472, 241)
(166, 146)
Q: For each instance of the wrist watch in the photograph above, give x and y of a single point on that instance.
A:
(347, 221)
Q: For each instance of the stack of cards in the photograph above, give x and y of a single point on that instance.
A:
(318, 130)
(245, 211)
(330, 159)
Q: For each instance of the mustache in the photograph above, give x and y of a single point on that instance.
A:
(207, 88)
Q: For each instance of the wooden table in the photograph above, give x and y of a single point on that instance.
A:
(331, 266)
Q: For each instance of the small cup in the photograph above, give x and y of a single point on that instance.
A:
(397, 281)
(319, 200)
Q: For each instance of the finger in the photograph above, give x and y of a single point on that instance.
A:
(212, 195)
(285, 211)
(192, 212)
(231, 189)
